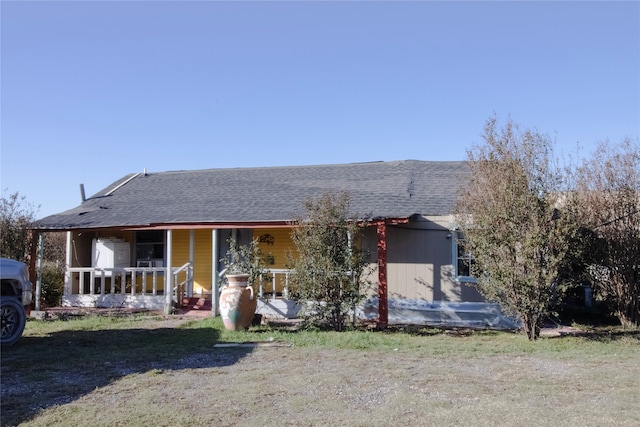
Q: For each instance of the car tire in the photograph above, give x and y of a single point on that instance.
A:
(14, 319)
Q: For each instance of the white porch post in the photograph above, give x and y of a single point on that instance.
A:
(192, 243)
(214, 271)
(39, 271)
(168, 279)
(68, 263)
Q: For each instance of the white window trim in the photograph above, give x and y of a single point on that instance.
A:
(455, 259)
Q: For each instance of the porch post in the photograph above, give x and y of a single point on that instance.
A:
(192, 239)
(68, 264)
(32, 255)
(168, 279)
(214, 271)
(39, 271)
(383, 309)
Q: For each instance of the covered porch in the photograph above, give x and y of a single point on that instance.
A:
(144, 289)
(184, 270)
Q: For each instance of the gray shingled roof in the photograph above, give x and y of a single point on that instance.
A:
(397, 189)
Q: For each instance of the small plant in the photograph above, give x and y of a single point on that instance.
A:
(245, 259)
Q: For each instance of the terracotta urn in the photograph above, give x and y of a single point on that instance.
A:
(237, 303)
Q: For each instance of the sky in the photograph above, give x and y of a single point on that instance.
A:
(91, 91)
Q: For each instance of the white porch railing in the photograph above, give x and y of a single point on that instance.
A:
(136, 286)
(281, 276)
(182, 287)
(274, 295)
(278, 276)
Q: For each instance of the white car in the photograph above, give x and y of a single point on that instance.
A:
(16, 294)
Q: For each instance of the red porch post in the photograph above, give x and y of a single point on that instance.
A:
(383, 310)
(34, 260)
(32, 256)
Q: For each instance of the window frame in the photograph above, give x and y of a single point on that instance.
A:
(456, 236)
(151, 242)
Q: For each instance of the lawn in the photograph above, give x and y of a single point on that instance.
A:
(165, 371)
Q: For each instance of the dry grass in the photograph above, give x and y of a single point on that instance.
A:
(155, 372)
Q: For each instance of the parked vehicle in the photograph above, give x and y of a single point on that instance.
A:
(16, 293)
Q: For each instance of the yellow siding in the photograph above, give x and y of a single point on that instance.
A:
(202, 266)
(180, 253)
(202, 262)
(149, 282)
(274, 242)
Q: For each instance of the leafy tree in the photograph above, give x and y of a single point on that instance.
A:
(16, 220)
(508, 214)
(606, 202)
(329, 267)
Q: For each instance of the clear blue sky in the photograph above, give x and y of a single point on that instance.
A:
(92, 91)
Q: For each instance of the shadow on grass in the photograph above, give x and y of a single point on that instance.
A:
(604, 335)
(429, 331)
(40, 372)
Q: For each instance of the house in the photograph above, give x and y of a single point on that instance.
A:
(149, 240)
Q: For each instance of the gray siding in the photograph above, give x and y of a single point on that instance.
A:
(419, 262)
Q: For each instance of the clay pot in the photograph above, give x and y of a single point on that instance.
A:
(237, 303)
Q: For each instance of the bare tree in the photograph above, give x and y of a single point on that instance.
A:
(508, 213)
(606, 202)
(16, 220)
(55, 248)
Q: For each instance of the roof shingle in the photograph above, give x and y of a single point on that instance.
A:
(396, 189)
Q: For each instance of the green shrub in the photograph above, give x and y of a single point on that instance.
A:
(52, 286)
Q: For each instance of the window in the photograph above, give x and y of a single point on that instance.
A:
(462, 259)
(150, 245)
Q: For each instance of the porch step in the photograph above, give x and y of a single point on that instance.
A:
(197, 303)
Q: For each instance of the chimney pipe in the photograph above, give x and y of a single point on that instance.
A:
(84, 198)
